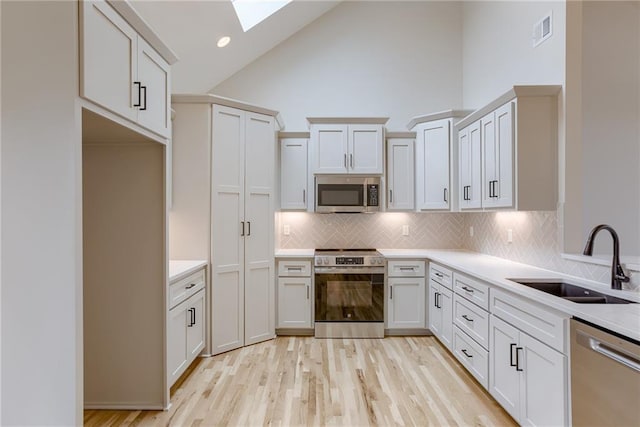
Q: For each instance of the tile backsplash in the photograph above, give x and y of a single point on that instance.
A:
(376, 230)
(536, 236)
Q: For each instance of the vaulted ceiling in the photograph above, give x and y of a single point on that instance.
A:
(192, 28)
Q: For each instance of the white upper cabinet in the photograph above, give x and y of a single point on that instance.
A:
(120, 71)
(470, 167)
(400, 173)
(293, 173)
(512, 143)
(432, 164)
(340, 148)
(497, 142)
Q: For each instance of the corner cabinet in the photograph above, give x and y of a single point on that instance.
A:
(121, 71)
(339, 147)
(400, 172)
(511, 146)
(293, 173)
(433, 159)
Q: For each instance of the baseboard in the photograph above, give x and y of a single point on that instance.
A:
(124, 406)
(295, 332)
(407, 332)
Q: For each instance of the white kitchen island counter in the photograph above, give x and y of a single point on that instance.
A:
(621, 318)
(182, 268)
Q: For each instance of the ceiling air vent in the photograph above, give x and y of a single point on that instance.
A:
(542, 30)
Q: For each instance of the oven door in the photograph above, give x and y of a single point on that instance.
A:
(349, 294)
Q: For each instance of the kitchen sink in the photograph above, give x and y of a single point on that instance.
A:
(572, 292)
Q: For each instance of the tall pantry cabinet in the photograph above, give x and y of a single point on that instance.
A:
(230, 219)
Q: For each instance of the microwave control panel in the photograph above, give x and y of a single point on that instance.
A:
(372, 195)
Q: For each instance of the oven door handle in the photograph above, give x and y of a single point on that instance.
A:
(349, 270)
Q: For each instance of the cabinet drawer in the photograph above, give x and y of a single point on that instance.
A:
(473, 290)
(472, 356)
(184, 288)
(539, 322)
(294, 268)
(440, 274)
(473, 320)
(405, 268)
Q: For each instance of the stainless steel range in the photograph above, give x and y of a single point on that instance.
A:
(349, 300)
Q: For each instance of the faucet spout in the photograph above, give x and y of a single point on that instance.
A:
(618, 275)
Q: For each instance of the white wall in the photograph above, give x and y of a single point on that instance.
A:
(395, 59)
(41, 247)
(498, 51)
(610, 125)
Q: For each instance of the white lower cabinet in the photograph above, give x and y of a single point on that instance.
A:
(406, 303)
(295, 294)
(528, 378)
(440, 297)
(406, 295)
(185, 335)
(472, 356)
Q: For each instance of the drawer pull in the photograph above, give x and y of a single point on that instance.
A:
(294, 268)
(467, 289)
(468, 319)
(191, 285)
(408, 268)
(439, 275)
(464, 351)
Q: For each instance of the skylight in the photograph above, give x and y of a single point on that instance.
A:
(252, 12)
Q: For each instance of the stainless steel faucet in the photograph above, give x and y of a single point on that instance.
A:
(617, 273)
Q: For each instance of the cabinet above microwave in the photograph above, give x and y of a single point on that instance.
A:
(347, 148)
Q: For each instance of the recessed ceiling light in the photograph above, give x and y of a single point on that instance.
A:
(223, 41)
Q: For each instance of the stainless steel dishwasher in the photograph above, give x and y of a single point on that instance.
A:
(605, 377)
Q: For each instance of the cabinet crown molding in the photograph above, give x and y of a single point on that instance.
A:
(514, 92)
(348, 120)
(446, 114)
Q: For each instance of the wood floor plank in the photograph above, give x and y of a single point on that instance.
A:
(298, 381)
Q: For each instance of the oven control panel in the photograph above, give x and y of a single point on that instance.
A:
(357, 261)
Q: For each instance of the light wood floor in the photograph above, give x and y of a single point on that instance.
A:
(306, 381)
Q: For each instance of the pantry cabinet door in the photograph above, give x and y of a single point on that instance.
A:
(227, 228)
(108, 68)
(259, 285)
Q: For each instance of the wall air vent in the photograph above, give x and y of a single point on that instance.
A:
(542, 30)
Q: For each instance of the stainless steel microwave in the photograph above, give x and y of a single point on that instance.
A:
(352, 194)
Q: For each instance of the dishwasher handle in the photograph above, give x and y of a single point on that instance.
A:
(602, 348)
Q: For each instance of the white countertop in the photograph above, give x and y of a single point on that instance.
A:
(295, 253)
(182, 268)
(621, 318)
